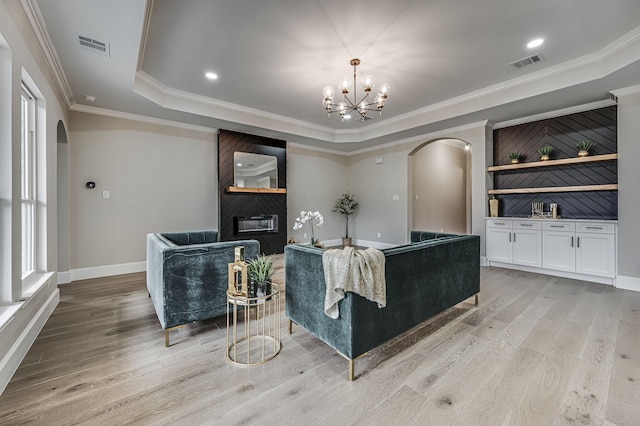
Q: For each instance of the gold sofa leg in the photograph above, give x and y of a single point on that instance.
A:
(290, 327)
(166, 334)
(477, 299)
(352, 369)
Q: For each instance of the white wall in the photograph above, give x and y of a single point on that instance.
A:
(628, 200)
(19, 51)
(439, 196)
(375, 184)
(159, 179)
(315, 180)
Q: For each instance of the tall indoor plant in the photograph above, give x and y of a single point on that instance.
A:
(346, 205)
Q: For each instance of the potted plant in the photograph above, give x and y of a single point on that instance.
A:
(584, 147)
(260, 271)
(346, 205)
(515, 157)
(544, 152)
(311, 217)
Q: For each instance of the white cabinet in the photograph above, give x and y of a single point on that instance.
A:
(577, 248)
(595, 249)
(513, 241)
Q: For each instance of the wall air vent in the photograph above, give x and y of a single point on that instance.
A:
(94, 45)
(521, 63)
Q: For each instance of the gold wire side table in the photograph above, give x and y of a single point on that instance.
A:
(253, 328)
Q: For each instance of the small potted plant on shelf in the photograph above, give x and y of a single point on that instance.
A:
(346, 206)
(515, 157)
(584, 147)
(544, 152)
(260, 271)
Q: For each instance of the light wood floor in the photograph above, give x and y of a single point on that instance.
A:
(538, 350)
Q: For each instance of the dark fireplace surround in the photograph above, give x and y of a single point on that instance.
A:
(252, 215)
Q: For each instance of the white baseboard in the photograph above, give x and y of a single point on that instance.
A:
(628, 283)
(64, 277)
(11, 361)
(483, 261)
(101, 271)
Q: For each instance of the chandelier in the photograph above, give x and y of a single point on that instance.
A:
(348, 105)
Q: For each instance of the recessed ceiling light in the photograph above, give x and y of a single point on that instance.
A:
(347, 117)
(535, 43)
(211, 75)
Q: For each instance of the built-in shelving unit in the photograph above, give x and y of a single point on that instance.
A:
(548, 163)
(257, 190)
(583, 188)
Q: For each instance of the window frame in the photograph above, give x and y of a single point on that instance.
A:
(28, 182)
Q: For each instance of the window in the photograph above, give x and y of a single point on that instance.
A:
(28, 182)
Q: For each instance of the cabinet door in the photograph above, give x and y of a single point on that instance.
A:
(527, 248)
(595, 254)
(559, 251)
(499, 245)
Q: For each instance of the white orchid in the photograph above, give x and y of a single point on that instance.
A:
(311, 217)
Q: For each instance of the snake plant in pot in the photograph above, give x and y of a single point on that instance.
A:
(346, 205)
(260, 271)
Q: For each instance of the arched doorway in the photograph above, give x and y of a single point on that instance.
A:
(441, 186)
(63, 202)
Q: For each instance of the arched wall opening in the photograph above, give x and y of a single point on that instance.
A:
(441, 186)
(63, 198)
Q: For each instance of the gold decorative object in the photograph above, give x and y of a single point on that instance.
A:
(238, 274)
(515, 157)
(493, 207)
(583, 153)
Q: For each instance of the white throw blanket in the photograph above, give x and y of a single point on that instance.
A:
(358, 271)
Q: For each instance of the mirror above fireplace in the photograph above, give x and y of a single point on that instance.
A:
(254, 170)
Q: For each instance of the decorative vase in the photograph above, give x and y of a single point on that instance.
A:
(346, 241)
(583, 153)
(515, 161)
(544, 158)
(493, 207)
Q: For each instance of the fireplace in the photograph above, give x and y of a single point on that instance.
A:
(251, 225)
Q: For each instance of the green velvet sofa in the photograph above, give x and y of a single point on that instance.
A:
(423, 278)
(187, 275)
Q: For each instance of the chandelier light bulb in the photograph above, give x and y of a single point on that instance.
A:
(328, 92)
(368, 83)
(379, 101)
(384, 90)
(345, 85)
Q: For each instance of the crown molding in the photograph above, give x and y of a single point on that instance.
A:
(553, 114)
(140, 118)
(36, 22)
(169, 97)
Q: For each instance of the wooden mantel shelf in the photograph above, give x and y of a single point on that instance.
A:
(560, 162)
(257, 190)
(609, 187)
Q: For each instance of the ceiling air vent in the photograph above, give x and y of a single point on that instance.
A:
(521, 63)
(94, 45)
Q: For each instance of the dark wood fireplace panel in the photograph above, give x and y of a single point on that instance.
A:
(252, 208)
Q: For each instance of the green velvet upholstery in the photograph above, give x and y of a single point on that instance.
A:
(423, 279)
(187, 274)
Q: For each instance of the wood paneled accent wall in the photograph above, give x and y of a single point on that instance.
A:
(562, 133)
(233, 204)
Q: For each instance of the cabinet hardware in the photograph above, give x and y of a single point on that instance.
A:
(594, 227)
(571, 241)
(498, 223)
(526, 224)
(578, 245)
(509, 236)
(556, 226)
(514, 237)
